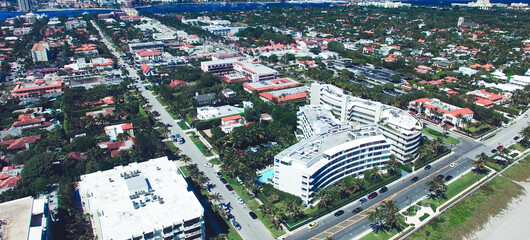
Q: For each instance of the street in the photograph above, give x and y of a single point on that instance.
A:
(250, 228)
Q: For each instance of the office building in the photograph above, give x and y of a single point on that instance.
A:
(323, 159)
(402, 129)
(40, 51)
(148, 200)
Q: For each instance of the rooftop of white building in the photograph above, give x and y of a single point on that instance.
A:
(220, 61)
(257, 68)
(209, 112)
(319, 115)
(310, 150)
(396, 117)
(107, 196)
(17, 214)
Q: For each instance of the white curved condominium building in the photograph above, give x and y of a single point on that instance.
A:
(401, 128)
(323, 159)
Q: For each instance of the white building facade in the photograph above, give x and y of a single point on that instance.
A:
(322, 160)
(149, 200)
(402, 129)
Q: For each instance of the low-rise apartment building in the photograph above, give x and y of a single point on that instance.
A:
(37, 88)
(434, 108)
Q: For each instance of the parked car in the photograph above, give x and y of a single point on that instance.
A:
(357, 210)
(427, 167)
(372, 195)
(229, 187)
(223, 180)
(448, 178)
(414, 179)
(230, 217)
(218, 174)
(500, 147)
(240, 201)
(236, 225)
(383, 190)
(363, 200)
(253, 215)
(208, 165)
(312, 225)
(338, 213)
(493, 150)
(516, 138)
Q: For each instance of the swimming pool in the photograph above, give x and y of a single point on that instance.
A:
(266, 176)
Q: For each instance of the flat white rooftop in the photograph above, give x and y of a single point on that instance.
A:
(17, 214)
(106, 195)
(257, 68)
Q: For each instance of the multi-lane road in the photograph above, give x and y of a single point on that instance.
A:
(347, 226)
(250, 228)
(404, 192)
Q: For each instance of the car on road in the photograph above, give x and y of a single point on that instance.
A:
(372, 195)
(440, 176)
(236, 225)
(357, 210)
(383, 190)
(526, 116)
(225, 207)
(452, 165)
(363, 200)
(500, 147)
(218, 174)
(312, 225)
(493, 150)
(240, 201)
(448, 178)
(516, 138)
(414, 179)
(427, 167)
(230, 217)
(229, 187)
(338, 213)
(223, 180)
(253, 215)
(208, 165)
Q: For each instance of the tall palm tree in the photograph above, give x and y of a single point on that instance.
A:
(436, 186)
(376, 174)
(186, 160)
(525, 133)
(376, 217)
(480, 162)
(391, 215)
(393, 164)
(216, 197)
(357, 185)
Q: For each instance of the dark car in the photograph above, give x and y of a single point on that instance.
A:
(229, 187)
(236, 225)
(218, 174)
(372, 195)
(338, 213)
(414, 179)
(448, 178)
(230, 216)
(223, 180)
(253, 215)
(516, 138)
(493, 150)
(383, 190)
(440, 176)
(427, 167)
(357, 210)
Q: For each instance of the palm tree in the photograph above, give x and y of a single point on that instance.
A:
(325, 198)
(342, 189)
(265, 209)
(480, 163)
(216, 197)
(393, 164)
(436, 186)
(186, 160)
(376, 217)
(376, 174)
(391, 218)
(357, 185)
(525, 133)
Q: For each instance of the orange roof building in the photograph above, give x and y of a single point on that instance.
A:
(37, 88)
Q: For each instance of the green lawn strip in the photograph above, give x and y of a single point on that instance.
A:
(458, 186)
(142, 111)
(185, 171)
(254, 206)
(380, 236)
(473, 212)
(519, 172)
(433, 133)
(200, 145)
(425, 216)
(171, 146)
(518, 147)
(183, 125)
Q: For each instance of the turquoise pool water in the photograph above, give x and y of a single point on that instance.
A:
(266, 176)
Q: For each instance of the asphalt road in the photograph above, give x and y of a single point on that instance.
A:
(403, 191)
(250, 228)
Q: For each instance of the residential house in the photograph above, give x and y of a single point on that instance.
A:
(115, 130)
(204, 98)
(434, 108)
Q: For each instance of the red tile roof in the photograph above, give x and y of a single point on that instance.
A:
(20, 143)
(126, 126)
(283, 98)
(231, 118)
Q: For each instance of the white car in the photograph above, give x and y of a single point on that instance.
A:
(453, 165)
(240, 201)
(208, 165)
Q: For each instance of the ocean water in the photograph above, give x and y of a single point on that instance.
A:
(234, 6)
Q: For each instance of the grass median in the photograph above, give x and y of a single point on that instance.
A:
(434, 134)
(473, 212)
